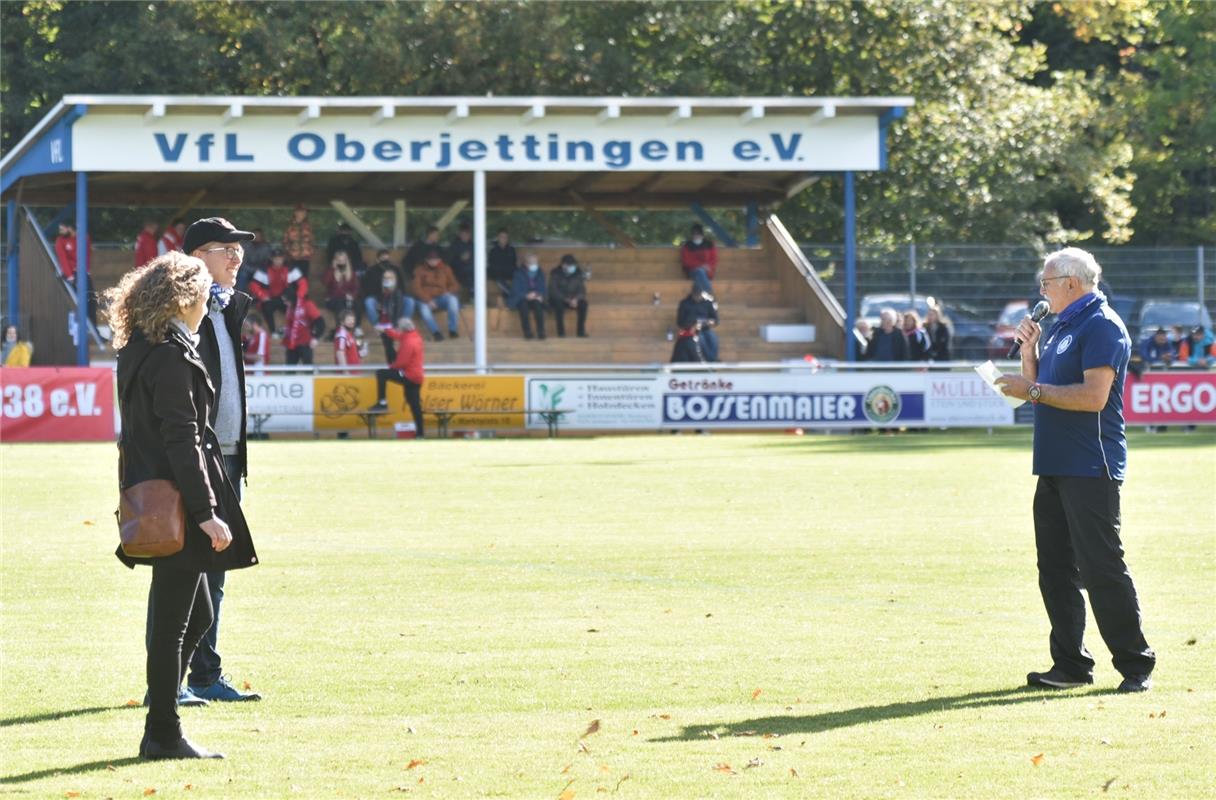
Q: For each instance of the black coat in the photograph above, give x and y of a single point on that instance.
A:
(940, 337)
(209, 352)
(165, 399)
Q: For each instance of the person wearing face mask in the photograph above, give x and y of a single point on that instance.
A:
(389, 304)
(436, 289)
(165, 399)
(15, 353)
(372, 279)
(528, 296)
(568, 292)
(699, 257)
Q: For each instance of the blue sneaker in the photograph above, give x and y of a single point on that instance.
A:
(184, 698)
(224, 692)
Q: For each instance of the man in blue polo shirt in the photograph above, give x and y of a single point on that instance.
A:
(1080, 455)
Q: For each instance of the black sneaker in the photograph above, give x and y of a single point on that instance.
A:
(437, 336)
(528, 335)
(1057, 679)
(453, 336)
(381, 405)
(1136, 683)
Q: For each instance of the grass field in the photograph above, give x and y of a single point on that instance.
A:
(745, 616)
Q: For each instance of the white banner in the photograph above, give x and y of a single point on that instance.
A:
(960, 398)
(279, 404)
(485, 142)
(608, 403)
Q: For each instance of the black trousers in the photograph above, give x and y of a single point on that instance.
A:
(1076, 532)
(299, 355)
(180, 611)
(559, 317)
(536, 309)
(413, 393)
(270, 307)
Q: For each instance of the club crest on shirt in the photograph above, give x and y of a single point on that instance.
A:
(1064, 343)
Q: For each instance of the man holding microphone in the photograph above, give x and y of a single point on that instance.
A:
(1080, 456)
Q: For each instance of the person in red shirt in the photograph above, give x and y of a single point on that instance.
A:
(304, 325)
(269, 286)
(342, 287)
(145, 243)
(65, 252)
(255, 342)
(174, 237)
(348, 346)
(699, 257)
(406, 370)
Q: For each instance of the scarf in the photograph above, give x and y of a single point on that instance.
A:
(221, 296)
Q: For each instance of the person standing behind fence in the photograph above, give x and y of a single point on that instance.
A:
(919, 344)
(165, 401)
(405, 369)
(305, 325)
(173, 238)
(1080, 457)
(348, 346)
(699, 257)
(145, 243)
(255, 343)
(65, 248)
(938, 329)
(13, 351)
(888, 343)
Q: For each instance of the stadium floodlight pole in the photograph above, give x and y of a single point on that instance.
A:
(82, 269)
(850, 268)
(480, 237)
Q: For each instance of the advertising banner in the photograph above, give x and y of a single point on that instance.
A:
(1170, 398)
(56, 404)
(280, 404)
(963, 399)
(497, 399)
(607, 403)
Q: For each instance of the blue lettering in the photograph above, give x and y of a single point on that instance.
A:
(170, 153)
(618, 153)
(683, 148)
(746, 150)
(416, 149)
(230, 149)
(472, 150)
(348, 149)
(574, 148)
(386, 150)
(786, 152)
(204, 143)
(653, 150)
(316, 145)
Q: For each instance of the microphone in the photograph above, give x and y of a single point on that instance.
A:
(1040, 310)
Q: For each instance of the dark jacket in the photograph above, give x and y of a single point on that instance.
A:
(919, 344)
(460, 259)
(563, 287)
(691, 311)
(208, 350)
(524, 282)
(166, 399)
(939, 350)
(885, 346)
(416, 254)
(374, 277)
(501, 263)
(347, 244)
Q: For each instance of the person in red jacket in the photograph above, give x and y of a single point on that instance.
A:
(255, 342)
(699, 257)
(145, 243)
(348, 346)
(304, 325)
(406, 370)
(65, 251)
(269, 286)
(174, 237)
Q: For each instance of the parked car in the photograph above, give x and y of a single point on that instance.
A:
(970, 331)
(1013, 313)
(1168, 314)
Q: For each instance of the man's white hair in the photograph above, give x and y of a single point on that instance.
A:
(1075, 263)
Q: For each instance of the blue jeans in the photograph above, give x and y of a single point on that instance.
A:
(205, 667)
(700, 277)
(709, 344)
(372, 306)
(444, 302)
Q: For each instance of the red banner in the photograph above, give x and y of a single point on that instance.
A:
(1170, 398)
(56, 404)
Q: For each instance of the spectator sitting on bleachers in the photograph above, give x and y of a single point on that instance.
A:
(257, 257)
(13, 351)
(1196, 348)
(305, 325)
(699, 312)
(435, 288)
(460, 256)
(417, 252)
(270, 286)
(173, 238)
(502, 262)
(344, 241)
(406, 369)
(65, 251)
(387, 305)
(568, 291)
(371, 282)
(255, 342)
(528, 296)
(342, 288)
(919, 344)
(1158, 349)
(689, 347)
(145, 243)
(938, 329)
(349, 348)
(888, 343)
(699, 257)
(298, 240)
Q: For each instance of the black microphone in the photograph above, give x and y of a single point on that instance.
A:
(1040, 310)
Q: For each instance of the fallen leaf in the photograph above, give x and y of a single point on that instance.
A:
(402, 789)
(755, 694)
(593, 630)
(246, 686)
(793, 772)
(1189, 641)
(188, 786)
(770, 736)
(88, 522)
(133, 703)
(567, 793)
(725, 768)
(755, 762)
(415, 762)
(582, 748)
(624, 778)
(73, 794)
(775, 747)
(409, 729)
(1037, 760)
(111, 768)
(1106, 786)
(635, 731)
(712, 735)
(707, 616)
(568, 766)
(149, 792)
(594, 727)
(664, 716)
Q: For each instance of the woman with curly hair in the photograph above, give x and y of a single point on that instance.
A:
(164, 400)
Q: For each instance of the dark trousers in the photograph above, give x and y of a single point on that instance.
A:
(206, 667)
(536, 309)
(269, 308)
(413, 393)
(179, 608)
(1076, 532)
(339, 307)
(559, 317)
(299, 355)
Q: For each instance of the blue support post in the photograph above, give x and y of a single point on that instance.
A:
(82, 269)
(14, 289)
(711, 223)
(850, 268)
(753, 224)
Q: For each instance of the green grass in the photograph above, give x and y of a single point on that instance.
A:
(476, 605)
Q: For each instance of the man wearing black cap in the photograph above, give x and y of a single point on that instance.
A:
(218, 243)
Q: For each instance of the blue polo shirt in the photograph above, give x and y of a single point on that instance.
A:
(1087, 444)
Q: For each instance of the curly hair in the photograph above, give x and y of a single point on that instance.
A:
(148, 298)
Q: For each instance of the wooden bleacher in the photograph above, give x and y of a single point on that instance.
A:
(625, 325)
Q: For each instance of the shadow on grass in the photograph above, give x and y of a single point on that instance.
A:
(51, 716)
(1014, 439)
(77, 769)
(833, 720)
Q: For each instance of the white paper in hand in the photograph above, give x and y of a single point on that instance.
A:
(990, 373)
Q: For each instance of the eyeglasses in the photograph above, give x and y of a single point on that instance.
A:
(231, 252)
(1043, 281)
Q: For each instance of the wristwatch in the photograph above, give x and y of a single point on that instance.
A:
(1035, 392)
